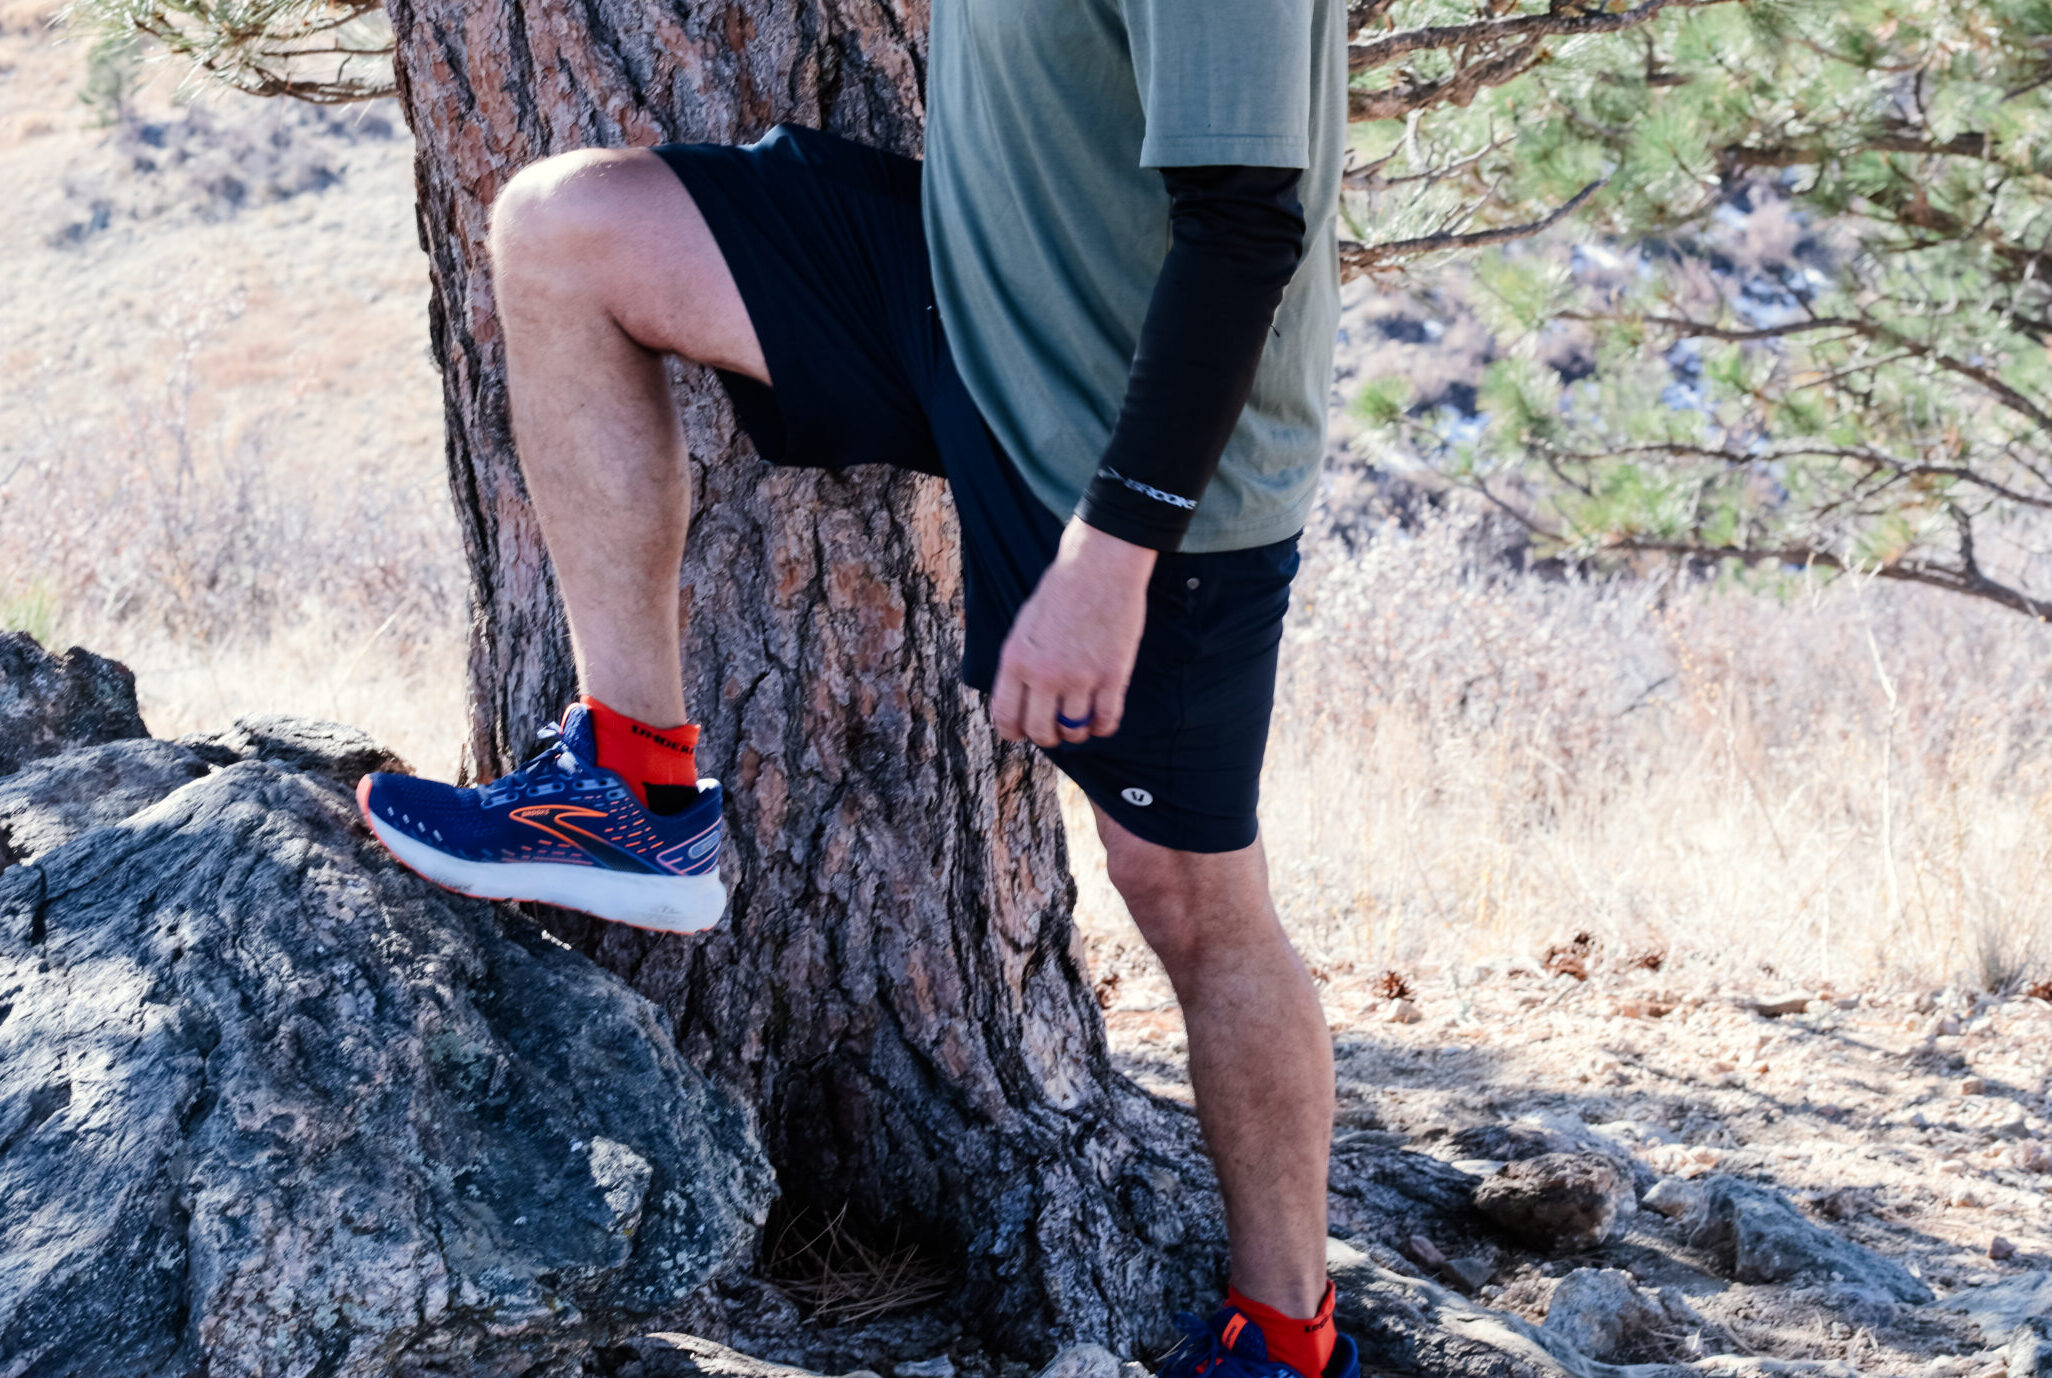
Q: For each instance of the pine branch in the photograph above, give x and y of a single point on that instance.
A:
(266, 47)
(1395, 102)
(1378, 52)
(1851, 325)
(1865, 456)
(1964, 577)
(1357, 258)
(1973, 145)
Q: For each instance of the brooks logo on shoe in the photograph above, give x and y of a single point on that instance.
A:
(555, 820)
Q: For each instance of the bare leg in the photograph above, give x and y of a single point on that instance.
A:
(1260, 1053)
(602, 264)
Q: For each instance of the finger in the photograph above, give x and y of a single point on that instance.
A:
(1108, 709)
(1039, 716)
(1008, 703)
(1074, 706)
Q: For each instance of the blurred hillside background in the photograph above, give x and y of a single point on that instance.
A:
(1511, 712)
(220, 459)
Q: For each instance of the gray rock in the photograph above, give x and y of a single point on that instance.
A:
(2030, 1350)
(1636, 1133)
(1410, 1325)
(1860, 1305)
(1506, 1143)
(1534, 1136)
(1593, 1310)
(1758, 1235)
(1677, 1198)
(343, 754)
(273, 1105)
(1425, 1253)
(1471, 1271)
(939, 1366)
(1560, 1201)
(51, 703)
(1999, 1308)
(1478, 1167)
(1382, 1256)
(1080, 1361)
(665, 1355)
(51, 801)
(1602, 1312)
(1390, 1193)
(1748, 1366)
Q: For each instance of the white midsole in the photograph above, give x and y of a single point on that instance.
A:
(670, 904)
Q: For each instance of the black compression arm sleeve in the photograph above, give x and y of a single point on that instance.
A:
(1237, 238)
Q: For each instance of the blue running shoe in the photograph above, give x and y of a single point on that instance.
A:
(560, 831)
(1230, 1345)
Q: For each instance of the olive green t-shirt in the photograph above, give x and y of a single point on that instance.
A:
(1047, 226)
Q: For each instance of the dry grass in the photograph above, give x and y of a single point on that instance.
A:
(180, 540)
(219, 432)
(1803, 785)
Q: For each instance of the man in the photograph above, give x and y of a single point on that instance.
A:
(1104, 310)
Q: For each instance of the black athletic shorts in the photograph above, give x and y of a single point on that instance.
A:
(824, 240)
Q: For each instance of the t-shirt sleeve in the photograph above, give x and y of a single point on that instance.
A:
(1223, 81)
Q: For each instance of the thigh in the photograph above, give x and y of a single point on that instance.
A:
(615, 224)
(822, 240)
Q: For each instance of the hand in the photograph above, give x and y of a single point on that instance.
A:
(1072, 647)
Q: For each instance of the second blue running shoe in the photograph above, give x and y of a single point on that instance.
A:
(1230, 1345)
(559, 831)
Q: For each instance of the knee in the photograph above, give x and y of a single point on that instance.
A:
(567, 216)
(1157, 894)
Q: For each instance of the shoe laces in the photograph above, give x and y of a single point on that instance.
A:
(1199, 1351)
(549, 745)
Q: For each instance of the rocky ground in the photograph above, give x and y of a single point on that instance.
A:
(1913, 1122)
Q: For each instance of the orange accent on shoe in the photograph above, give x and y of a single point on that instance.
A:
(642, 754)
(1305, 1343)
(1233, 1329)
(554, 819)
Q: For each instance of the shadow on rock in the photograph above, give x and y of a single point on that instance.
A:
(274, 1105)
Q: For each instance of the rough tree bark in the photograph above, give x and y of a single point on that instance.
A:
(898, 988)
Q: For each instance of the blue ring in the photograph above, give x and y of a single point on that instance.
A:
(1074, 723)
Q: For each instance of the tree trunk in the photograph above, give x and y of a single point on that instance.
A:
(898, 988)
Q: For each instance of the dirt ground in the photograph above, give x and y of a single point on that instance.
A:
(1914, 1122)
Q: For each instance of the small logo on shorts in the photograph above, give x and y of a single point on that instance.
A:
(1137, 797)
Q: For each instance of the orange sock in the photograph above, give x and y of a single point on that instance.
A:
(656, 762)
(1306, 1345)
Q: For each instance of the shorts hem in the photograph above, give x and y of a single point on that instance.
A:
(1176, 831)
